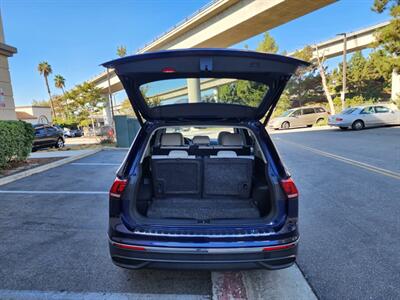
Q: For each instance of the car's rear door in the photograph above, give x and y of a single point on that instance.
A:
(218, 71)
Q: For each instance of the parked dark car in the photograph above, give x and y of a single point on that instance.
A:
(221, 199)
(47, 136)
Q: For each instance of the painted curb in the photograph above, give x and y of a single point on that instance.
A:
(46, 167)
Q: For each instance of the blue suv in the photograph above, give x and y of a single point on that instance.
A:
(202, 186)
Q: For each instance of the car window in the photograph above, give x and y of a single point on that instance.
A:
(320, 110)
(296, 113)
(381, 109)
(368, 110)
(349, 111)
(40, 131)
(231, 91)
(51, 129)
(307, 111)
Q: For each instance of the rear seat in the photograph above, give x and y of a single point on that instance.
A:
(221, 173)
(227, 173)
(176, 173)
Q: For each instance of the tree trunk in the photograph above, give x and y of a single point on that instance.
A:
(324, 84)
(51, 100)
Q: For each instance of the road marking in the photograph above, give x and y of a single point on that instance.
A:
(54, 192)
(53, 295)
(349, 161)
(94, 164)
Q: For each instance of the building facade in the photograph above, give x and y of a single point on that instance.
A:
(34, 114)
(7, 106)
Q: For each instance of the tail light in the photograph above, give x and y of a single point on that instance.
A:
(339, 119)
(118, 187)
(289, 188)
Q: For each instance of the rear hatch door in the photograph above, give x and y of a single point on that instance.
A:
(204, 84)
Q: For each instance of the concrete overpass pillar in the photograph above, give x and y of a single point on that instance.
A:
(107, 115)
(194, 93)
(396, 86)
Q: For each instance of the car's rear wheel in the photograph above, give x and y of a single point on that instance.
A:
(358, 125)
(285, 125)
(320, 121)
(60, 143)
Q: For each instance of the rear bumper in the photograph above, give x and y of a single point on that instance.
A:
(268, 257)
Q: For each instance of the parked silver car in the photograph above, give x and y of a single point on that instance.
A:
(359, 117)
(299, 117)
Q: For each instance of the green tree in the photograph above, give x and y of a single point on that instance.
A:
(44, 69)
(121, 51)
(389, 37)
(84, 100)
(59, 82)
(268, 44)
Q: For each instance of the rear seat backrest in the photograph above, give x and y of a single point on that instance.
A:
(177, 173)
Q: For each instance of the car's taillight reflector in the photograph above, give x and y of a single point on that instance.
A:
(279, 247)
(289, 188)
(118, 187)
(168, 70)
(339, 119)
(128, 247)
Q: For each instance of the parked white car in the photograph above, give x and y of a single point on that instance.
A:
(359, 117)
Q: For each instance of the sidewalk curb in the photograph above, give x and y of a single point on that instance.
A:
(46, 167)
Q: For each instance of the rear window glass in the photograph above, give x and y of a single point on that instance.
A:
(349, 111)
(209, 90)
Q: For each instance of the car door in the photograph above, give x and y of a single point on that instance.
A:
(384, 115)
(295, 118)
(204, 84)
(368, 116)
(51, 135)
(40, 137)
(308, 116)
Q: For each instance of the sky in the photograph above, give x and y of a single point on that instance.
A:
(76, 36)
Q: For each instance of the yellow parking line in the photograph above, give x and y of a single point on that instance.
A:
(349, 161)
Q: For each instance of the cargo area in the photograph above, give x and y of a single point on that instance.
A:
(188, 176)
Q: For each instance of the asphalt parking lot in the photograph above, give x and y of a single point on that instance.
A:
(53, 227)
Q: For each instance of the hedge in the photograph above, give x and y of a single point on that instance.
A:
(16, 139)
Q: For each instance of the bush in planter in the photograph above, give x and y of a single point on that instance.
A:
(16, 139)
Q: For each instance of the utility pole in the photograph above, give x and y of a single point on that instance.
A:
(344, 67)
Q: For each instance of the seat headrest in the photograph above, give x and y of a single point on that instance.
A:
(172, 139)
(221, 134)
(233, 139)
(201, 140)
(178, 154)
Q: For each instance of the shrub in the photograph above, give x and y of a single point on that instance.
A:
(16, 139)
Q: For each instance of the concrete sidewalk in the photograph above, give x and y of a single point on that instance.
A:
(67, 153)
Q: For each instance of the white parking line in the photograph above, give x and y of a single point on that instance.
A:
(55, 192)
(53, 295)
(94, 164)
(349, 161)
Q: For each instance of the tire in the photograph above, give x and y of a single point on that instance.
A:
(285, 125)
(358, 125)
(343, 128)
(60, 143)
(319, 121)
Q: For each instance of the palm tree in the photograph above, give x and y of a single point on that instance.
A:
(59, 82)
(45, 69)
(121, 51)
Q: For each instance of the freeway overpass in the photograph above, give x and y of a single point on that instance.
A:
(356, 40)
(220, 24)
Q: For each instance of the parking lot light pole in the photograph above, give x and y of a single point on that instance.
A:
(344, 69)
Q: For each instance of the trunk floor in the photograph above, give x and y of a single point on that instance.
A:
(202, 209)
